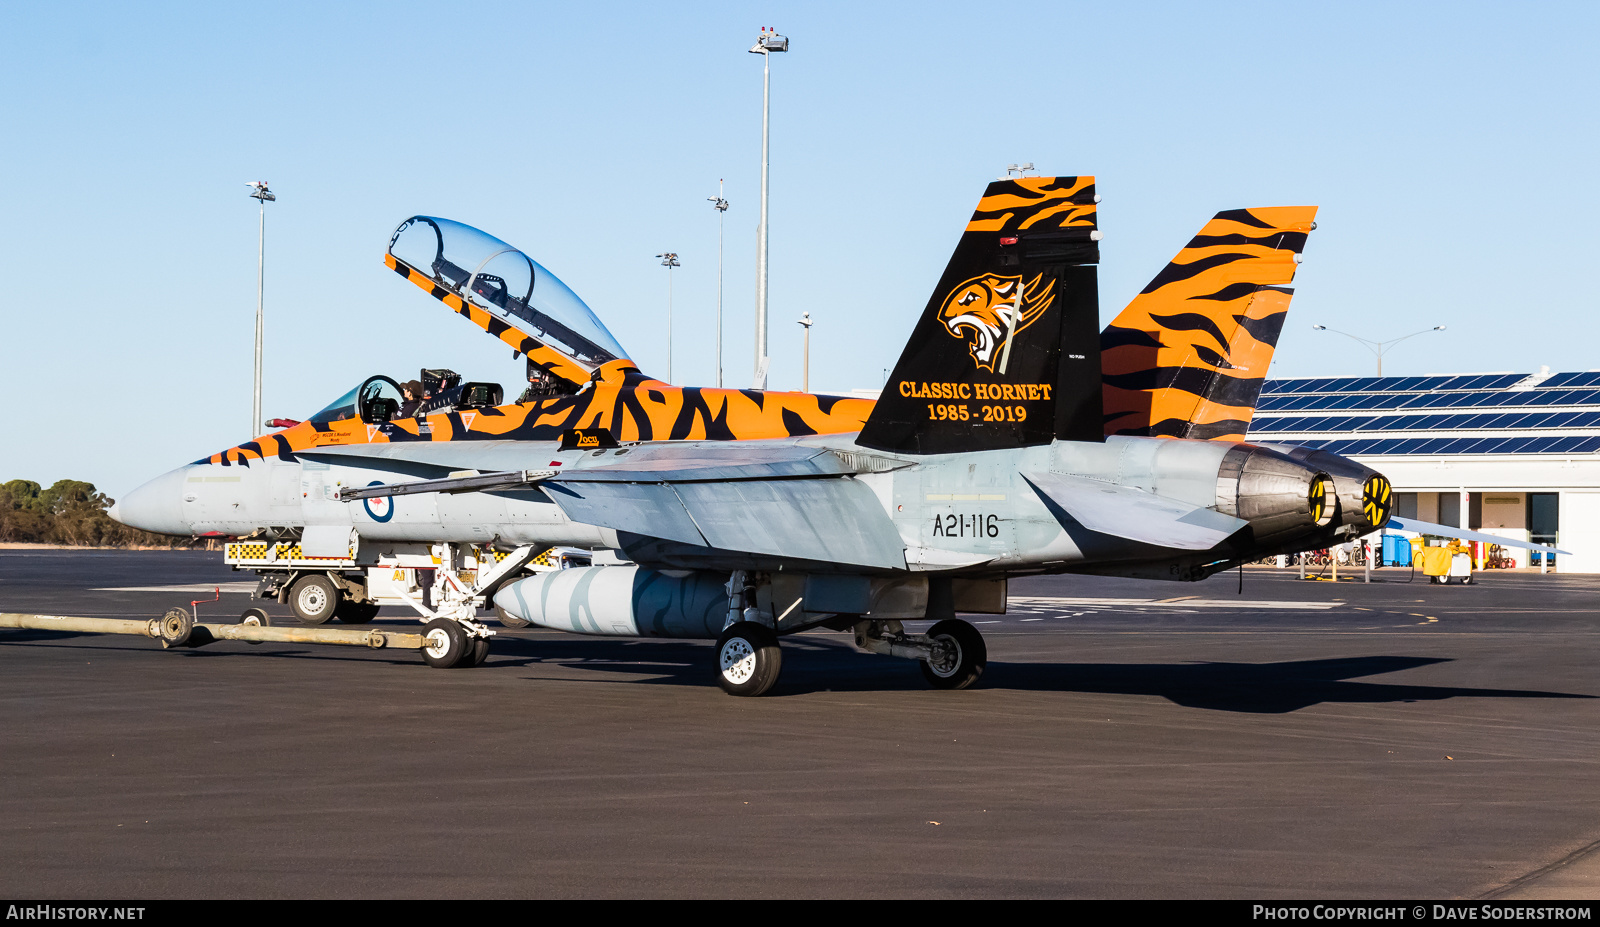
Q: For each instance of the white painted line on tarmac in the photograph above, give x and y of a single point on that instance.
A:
(1055, 602)
(190, 587)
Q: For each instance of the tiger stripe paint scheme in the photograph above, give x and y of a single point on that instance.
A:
(1187, 357)
(631, 405)
(1021, 203)
(546, 358)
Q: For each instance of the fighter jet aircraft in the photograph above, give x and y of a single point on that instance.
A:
(1014, 438)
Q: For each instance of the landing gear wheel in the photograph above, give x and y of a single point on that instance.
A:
(445, 644)
(509, 620)
(748, 659)
(962, 655)
(477, 652)
(314, 599)
(356, 612)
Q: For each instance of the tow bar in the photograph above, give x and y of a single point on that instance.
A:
(177, 628)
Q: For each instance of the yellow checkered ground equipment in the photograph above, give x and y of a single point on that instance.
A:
(257, 550)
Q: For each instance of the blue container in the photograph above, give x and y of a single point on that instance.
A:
(1396, 550)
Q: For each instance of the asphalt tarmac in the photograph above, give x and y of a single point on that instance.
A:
(1130, 739)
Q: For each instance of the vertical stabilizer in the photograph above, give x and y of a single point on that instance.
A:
(1187, 357)
(1006, 353)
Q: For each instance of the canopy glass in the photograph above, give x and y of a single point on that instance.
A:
(508, 284)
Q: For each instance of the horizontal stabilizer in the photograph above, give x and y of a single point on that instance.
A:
(1445, 531)
(1126, 512)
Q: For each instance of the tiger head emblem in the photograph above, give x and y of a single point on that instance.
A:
(987, 310)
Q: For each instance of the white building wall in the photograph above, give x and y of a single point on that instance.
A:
(1576, 478)
(1580, 531)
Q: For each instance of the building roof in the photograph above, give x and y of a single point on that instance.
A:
(1496, 413)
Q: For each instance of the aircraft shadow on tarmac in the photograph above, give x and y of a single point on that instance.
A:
(813, 666)
(817, 664)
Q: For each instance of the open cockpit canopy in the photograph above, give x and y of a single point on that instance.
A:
(351, 404)
(492, 276)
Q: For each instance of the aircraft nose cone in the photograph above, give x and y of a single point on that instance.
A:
(156, 506)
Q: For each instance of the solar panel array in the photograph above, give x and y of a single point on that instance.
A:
(1478, 381)
(1430, 446)
(1357, 407)
(1433, 400)
(1478, 422)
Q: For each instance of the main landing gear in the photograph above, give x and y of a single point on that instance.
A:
(748, 659)
(952, 654)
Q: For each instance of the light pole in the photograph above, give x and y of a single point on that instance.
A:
(769, 41)
(721, 206)
(1378, 347)
(259, 191)
(669, 261)
(805, 375)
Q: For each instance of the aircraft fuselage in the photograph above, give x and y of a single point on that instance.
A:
(990, 513)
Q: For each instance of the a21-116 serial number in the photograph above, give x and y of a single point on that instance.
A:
(951, 412)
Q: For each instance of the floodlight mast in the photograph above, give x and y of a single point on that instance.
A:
(768, 42)
(261, 194)
(805, 368)
(669, 260)
(1378, 347)
(721, 206)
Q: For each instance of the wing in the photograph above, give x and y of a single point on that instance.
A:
(786, 502)
(826, 520)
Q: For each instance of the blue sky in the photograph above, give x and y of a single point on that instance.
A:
(1451, 148)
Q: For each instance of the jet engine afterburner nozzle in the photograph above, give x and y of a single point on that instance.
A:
(1377, 501)
(1298, 498)
(1280, 497)
(1365, 497)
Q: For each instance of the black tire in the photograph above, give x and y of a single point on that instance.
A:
(509, 620)
(315, 599)
(477, 652)
(446, 643)
(356, 612)
(257, 617)
(748, 659)
(966, 655)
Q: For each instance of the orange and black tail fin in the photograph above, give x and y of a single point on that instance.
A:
(1187, 357)
(1007, 351)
